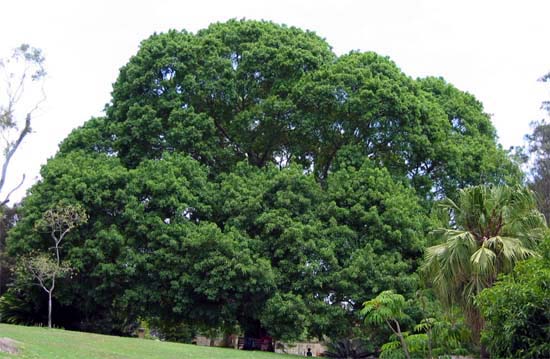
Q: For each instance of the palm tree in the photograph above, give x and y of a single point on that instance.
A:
(490, 229)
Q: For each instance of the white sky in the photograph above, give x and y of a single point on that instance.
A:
(495, 50)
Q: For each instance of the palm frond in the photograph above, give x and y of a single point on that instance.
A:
(483, 261)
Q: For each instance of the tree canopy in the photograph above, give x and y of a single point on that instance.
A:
(264, 93)
(246, 175)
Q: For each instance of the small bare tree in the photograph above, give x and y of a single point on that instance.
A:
(45, 270)
(22, 72)
(58, 222)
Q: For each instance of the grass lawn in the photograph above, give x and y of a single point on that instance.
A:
(46, 343)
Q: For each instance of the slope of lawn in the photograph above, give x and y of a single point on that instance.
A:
(46, 343)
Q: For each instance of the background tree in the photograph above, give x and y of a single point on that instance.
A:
(21, 71)
(536, 157)
(22, 75)
(545, 104)
(490, 229)
(538, 147)
(539, 162)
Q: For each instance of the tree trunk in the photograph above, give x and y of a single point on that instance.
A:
(476, 323)
(2, 240)
(49, 309)
(402, 340)
(1, 269)
(404, 345)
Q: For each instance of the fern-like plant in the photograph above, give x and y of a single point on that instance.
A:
(387, 309)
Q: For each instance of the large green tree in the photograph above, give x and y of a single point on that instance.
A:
(8, 219)
(145, 245)
(490, 229)
(247, 175)
(256, 91)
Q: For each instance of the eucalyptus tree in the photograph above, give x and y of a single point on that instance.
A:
(22, 77)
(539, 174)
(22, 74)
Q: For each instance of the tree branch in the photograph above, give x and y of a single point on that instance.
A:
(393, 330)
(7, 199)
(32, 61)
(11, 152)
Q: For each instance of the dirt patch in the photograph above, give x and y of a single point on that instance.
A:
(9, 346)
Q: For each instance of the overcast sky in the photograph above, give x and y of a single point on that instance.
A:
(495, 50)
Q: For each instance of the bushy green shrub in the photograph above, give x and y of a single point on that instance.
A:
(517, 310)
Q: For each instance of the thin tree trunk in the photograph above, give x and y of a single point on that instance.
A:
(404, 345)
(1, 268)
(400, 336)
(50, 302)
(49, 309)
(2, 240)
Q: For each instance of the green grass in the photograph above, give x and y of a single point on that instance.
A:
(46, 343)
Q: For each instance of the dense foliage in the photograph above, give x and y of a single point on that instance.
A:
(8, 218)
(517, 310)
(245, 175)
